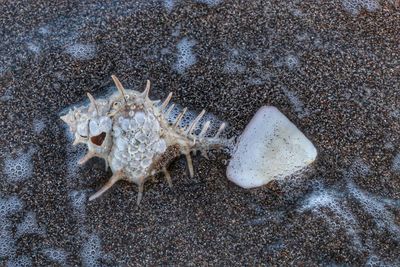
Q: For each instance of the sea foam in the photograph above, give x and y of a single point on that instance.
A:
(185, 58)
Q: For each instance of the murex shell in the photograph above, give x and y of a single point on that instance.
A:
(135, 138)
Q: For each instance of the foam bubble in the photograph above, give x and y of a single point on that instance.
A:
(78, 202)
(232, 68)
(44, 30)
(173, 115)
(7, 243)
(74, 154)
(29, 226)
(388, 145)
(21, 261)
(19, 168)
(177, 31)
(209, 2)
(354, 6)
(297, 104)
(215, 123)
(38, 126)
(375, 261)
(171, 118)
(5, 225)
(376, 209)
(297, 12)
(395, 114)
(8, 93)
(82, 51)
(10, 206)
(276, 246)
(33, 47)
(292, 61)
(70, 136)
(396, 163)
(323, 199)
(56, 255)
(351, 6)
(318, 199)
(187, 119)
(185, 58)
(91, 251)
(169, 5)
(357, 168)
(370, 5)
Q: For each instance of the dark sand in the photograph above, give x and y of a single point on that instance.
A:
(334, 74)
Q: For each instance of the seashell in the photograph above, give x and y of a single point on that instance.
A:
(136, 136)
(94, 127)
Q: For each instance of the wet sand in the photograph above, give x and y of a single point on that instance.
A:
(333, 72)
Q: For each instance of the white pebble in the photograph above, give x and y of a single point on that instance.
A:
(271, 147)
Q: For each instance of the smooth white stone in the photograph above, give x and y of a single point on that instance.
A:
(271, 147)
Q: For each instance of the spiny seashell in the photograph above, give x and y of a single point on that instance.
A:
(135, 138)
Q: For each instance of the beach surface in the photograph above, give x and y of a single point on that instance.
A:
(332, 67)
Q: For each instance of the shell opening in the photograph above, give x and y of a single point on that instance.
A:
(98, 139)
